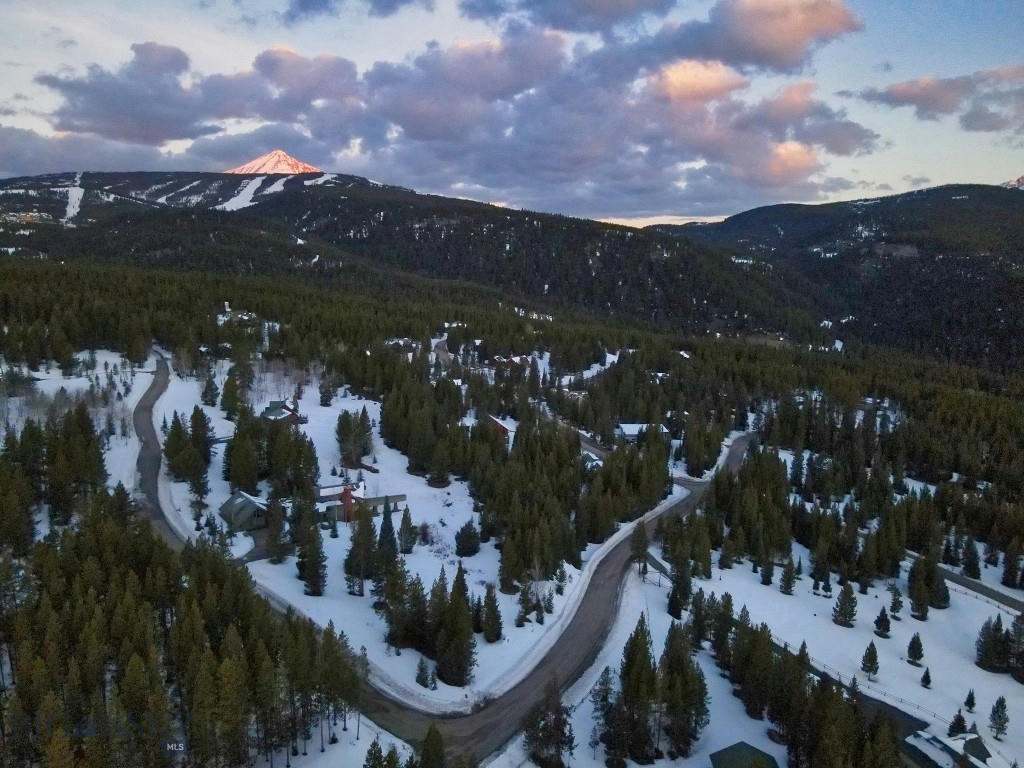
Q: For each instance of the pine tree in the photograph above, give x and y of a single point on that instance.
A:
(845, 611)
(896, 605)
(422, 673)
(210, 391)
(972, 563)
(920, 595)
(547, 729)
(456, 648)
(467, 540)
(767, 571)
(999, 719)
(926, 678)
(882, 624)
(374, 756)
(406, 533)
(869, 662)
(638, 685)
(957, 725)
(387, 547)
(360, 562)
(969, 701)
(315, 571)
(915, 650)
(277, 546)
(432, 753)
(1010, 565)
(492, 616)
(638, 544)
(788, 582)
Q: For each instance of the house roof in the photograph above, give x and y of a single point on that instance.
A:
(632, 430)
(742, 755)
(240, 500)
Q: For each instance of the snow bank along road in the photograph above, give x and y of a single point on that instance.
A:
(487, 729)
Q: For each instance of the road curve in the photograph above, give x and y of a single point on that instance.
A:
(489, 728)
(150, 455)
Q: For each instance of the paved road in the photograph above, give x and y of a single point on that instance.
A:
(150, 455)
(488, 729)
(974, 585)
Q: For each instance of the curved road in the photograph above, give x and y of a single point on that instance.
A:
(150, 455)
(489, 728)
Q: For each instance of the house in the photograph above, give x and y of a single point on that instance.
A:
(339, 501)
(244, 512)
(282, 410)
(928, 750)
(742, 755)
(631, 432)
(506, 427)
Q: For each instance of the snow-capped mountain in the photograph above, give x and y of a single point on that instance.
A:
(1017, 184)
(276, 161)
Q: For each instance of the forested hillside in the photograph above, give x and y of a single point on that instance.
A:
(936, 272)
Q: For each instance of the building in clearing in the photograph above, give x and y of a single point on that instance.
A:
(742, 755)
(631, 432)
(282, 410)
(339, 501)
(244, 512)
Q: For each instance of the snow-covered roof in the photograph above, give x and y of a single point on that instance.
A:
(633, 430)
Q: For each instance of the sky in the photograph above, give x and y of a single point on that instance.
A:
(628, 110)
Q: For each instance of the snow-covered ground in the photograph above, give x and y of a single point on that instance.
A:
(992, 575)
(728, 723)
(75, 194)
(348, 752)
(948, 637)
(244, 196)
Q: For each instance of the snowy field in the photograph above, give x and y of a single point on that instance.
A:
(948, 637)
(728, 723)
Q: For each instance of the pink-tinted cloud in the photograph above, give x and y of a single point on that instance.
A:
(986, 100)
(690, 80)
(773, 34)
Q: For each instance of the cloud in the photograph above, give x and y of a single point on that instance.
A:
(635, 125)
(916, 181)
(771, 34)
(144, 101)
(986, 100)
(794, 114)
(693, 80)
(304, 10)
(24, 153)
(981, 118)
(569, 15)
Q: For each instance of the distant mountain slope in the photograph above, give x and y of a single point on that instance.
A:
(553, 261)
(936, 270)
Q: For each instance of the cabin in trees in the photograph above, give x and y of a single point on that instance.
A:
(507, 427)
(742, 755)
(631, 432)
(244, 512)
(282, 410)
